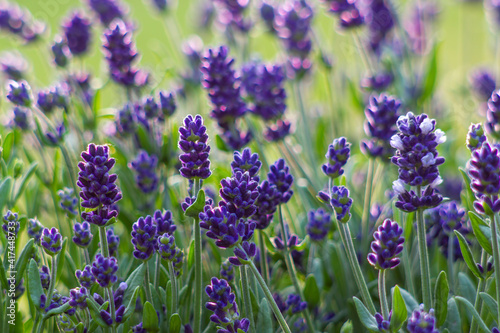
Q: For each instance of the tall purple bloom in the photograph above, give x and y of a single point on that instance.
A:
(144, 238)
(246, 162)
(107, 10)
(51, 241)
(279, 175)
(230, 14)
(318, 225)
(19, 93)
(77, 33)
(104, 270)
(379, 20)
(19, 22)
(193, 141)
(387, 245)
(267, 202)
(337, 155)
(485, 175)
(145, 167)
(493, 115)
(238, 194)
(85, 277)
(82, 234)
(381, 116)
(482, 83)
(13, 66)
(475, 137)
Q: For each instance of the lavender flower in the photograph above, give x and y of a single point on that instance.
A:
(493, 115)
(475, 137)
(19, 22)
(351, 17)
(166, 247)
(161, 5)
(85, 277)
(77, 33)
(387, 245)
(60, 52)
(223, 305)
(78, 297)
(113, 241)
(65, 323)
(107, 10)
(104, 270)
(227, 271)
(340, 202)
(35, 229)
(231, 14)
(45, 277)
(144, 238)
(485, 172)
(383, 325)
(220, 81)
(422, 322)
(51, 241)
(264, 86)
(144, 166)
(68, 201)
(318, 225)
(377, 82)
(278, 131)
(193, 142)
(55, 97)
(381, 116)
(268, 13)
(82, 235)
(337, 155)
(482, 83)
(239, 194)
(164, 223)
(167, 104)
(19, 93)
(98, 186)
(53, 138)
(246, 162)
(20, 118)
(279, 176)
(295, 304)
(13, 66)
(379, 20)
(266, 203)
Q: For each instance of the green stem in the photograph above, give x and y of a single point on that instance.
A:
(147, 288)
(40, 327)
(198, 283)
(384, 305)
(112, 308)
(367, 199)
(173, 280)
(269, 296)
(246, 297)
(293, 272)
(496, 259)
(263, 257)
(451, 274)
(406, 264)
(53, 273)
(474, 328)
(157, 272)
(424, 258)
(104, 242)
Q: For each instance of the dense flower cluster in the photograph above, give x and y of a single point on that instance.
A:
(144, 238)
(107, 10)
(493, 115)
(319, 224)
(104, 270)
(246, 162)
(279, 175)
(85, 277)
(379, 20)
(77, 33)
(19, 22)
(381, 115)
(19, 93)
(11, 223)
(145, 167)
(387, 245)
(485, 176)
(238, 194)
(422, 322)
(475, 136)
(231, 14)
(193, 141)
(82, 234)
(223, 305)
(51, 241)
(337, 155)
(35, 229)
(347, 11)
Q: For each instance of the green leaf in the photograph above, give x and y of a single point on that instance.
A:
(453, 321)
(5, 187)
(264, 318)
(8, 143)
(25, 255)
(3, 277)
(441, 293)
(411, 303)
(197, 207)
(467, 254)
(129, 310)
(429, 81)
(347, 327)
(175, 323)
(470, 308)
(59, 310)
(311, 291)
(221, 144)
(34, 283)
(134, 280)
(95, 311)
(365, 316)
(399, 311)
(466, 288)
(150, 318)
(24, 181)
(482, 232)
(491, 303)
(190, 258)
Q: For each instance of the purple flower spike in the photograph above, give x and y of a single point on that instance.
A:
(387, 245)
(351, 18)
(166, 247)
(97, 184)
(85, 277)
(193, 142)
(145, 166)
(13, 66)
(231, 14)
(144, 238)
(279, 176)
(493, 115)
(77, 297)
(380, 21)
(60, 52)
(167, 104)
(107, 10)
(227, 271)
(475, 137)
(19, 93)
(45, 277)
(68, 201)
(51, 241)
(278, 131)
(266, 204)
(11, 220)
(246, 162)
(243, 255)
(422, 322)
(239, 194)
(20, 118)
(113, 241)
(82, 235)
(381, 116)
(341, 203)
(337, 155)
(35, 229)
(319, 223)
(77, 33)
(104, 270)
(164, 223)
(383, 325)
(485, 172)
(295, 304)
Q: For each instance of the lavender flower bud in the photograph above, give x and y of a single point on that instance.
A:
(13, 66)
(35, 229)
(144, 166)
(78, 297)
(482, 83)
(85, 277)
(239, 194)
(279, 131)
(422, 322)
(45, 277)
(475, 137)
(166, 247)
(387, 245)
(266, 203)
(341, 203)
(295, 304)
(20, 118)
(77, 33)
(19, 93)
(337, 155)
(104, 270)
(319, 223)
(82, 234)
(144, 238)
(279, 176)
(227, 271)
(167, 104)
(246, 162)
(60, 52)
(51, 241)
(193, 142)
(493, 115)
(383, 325)
(107, 10)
